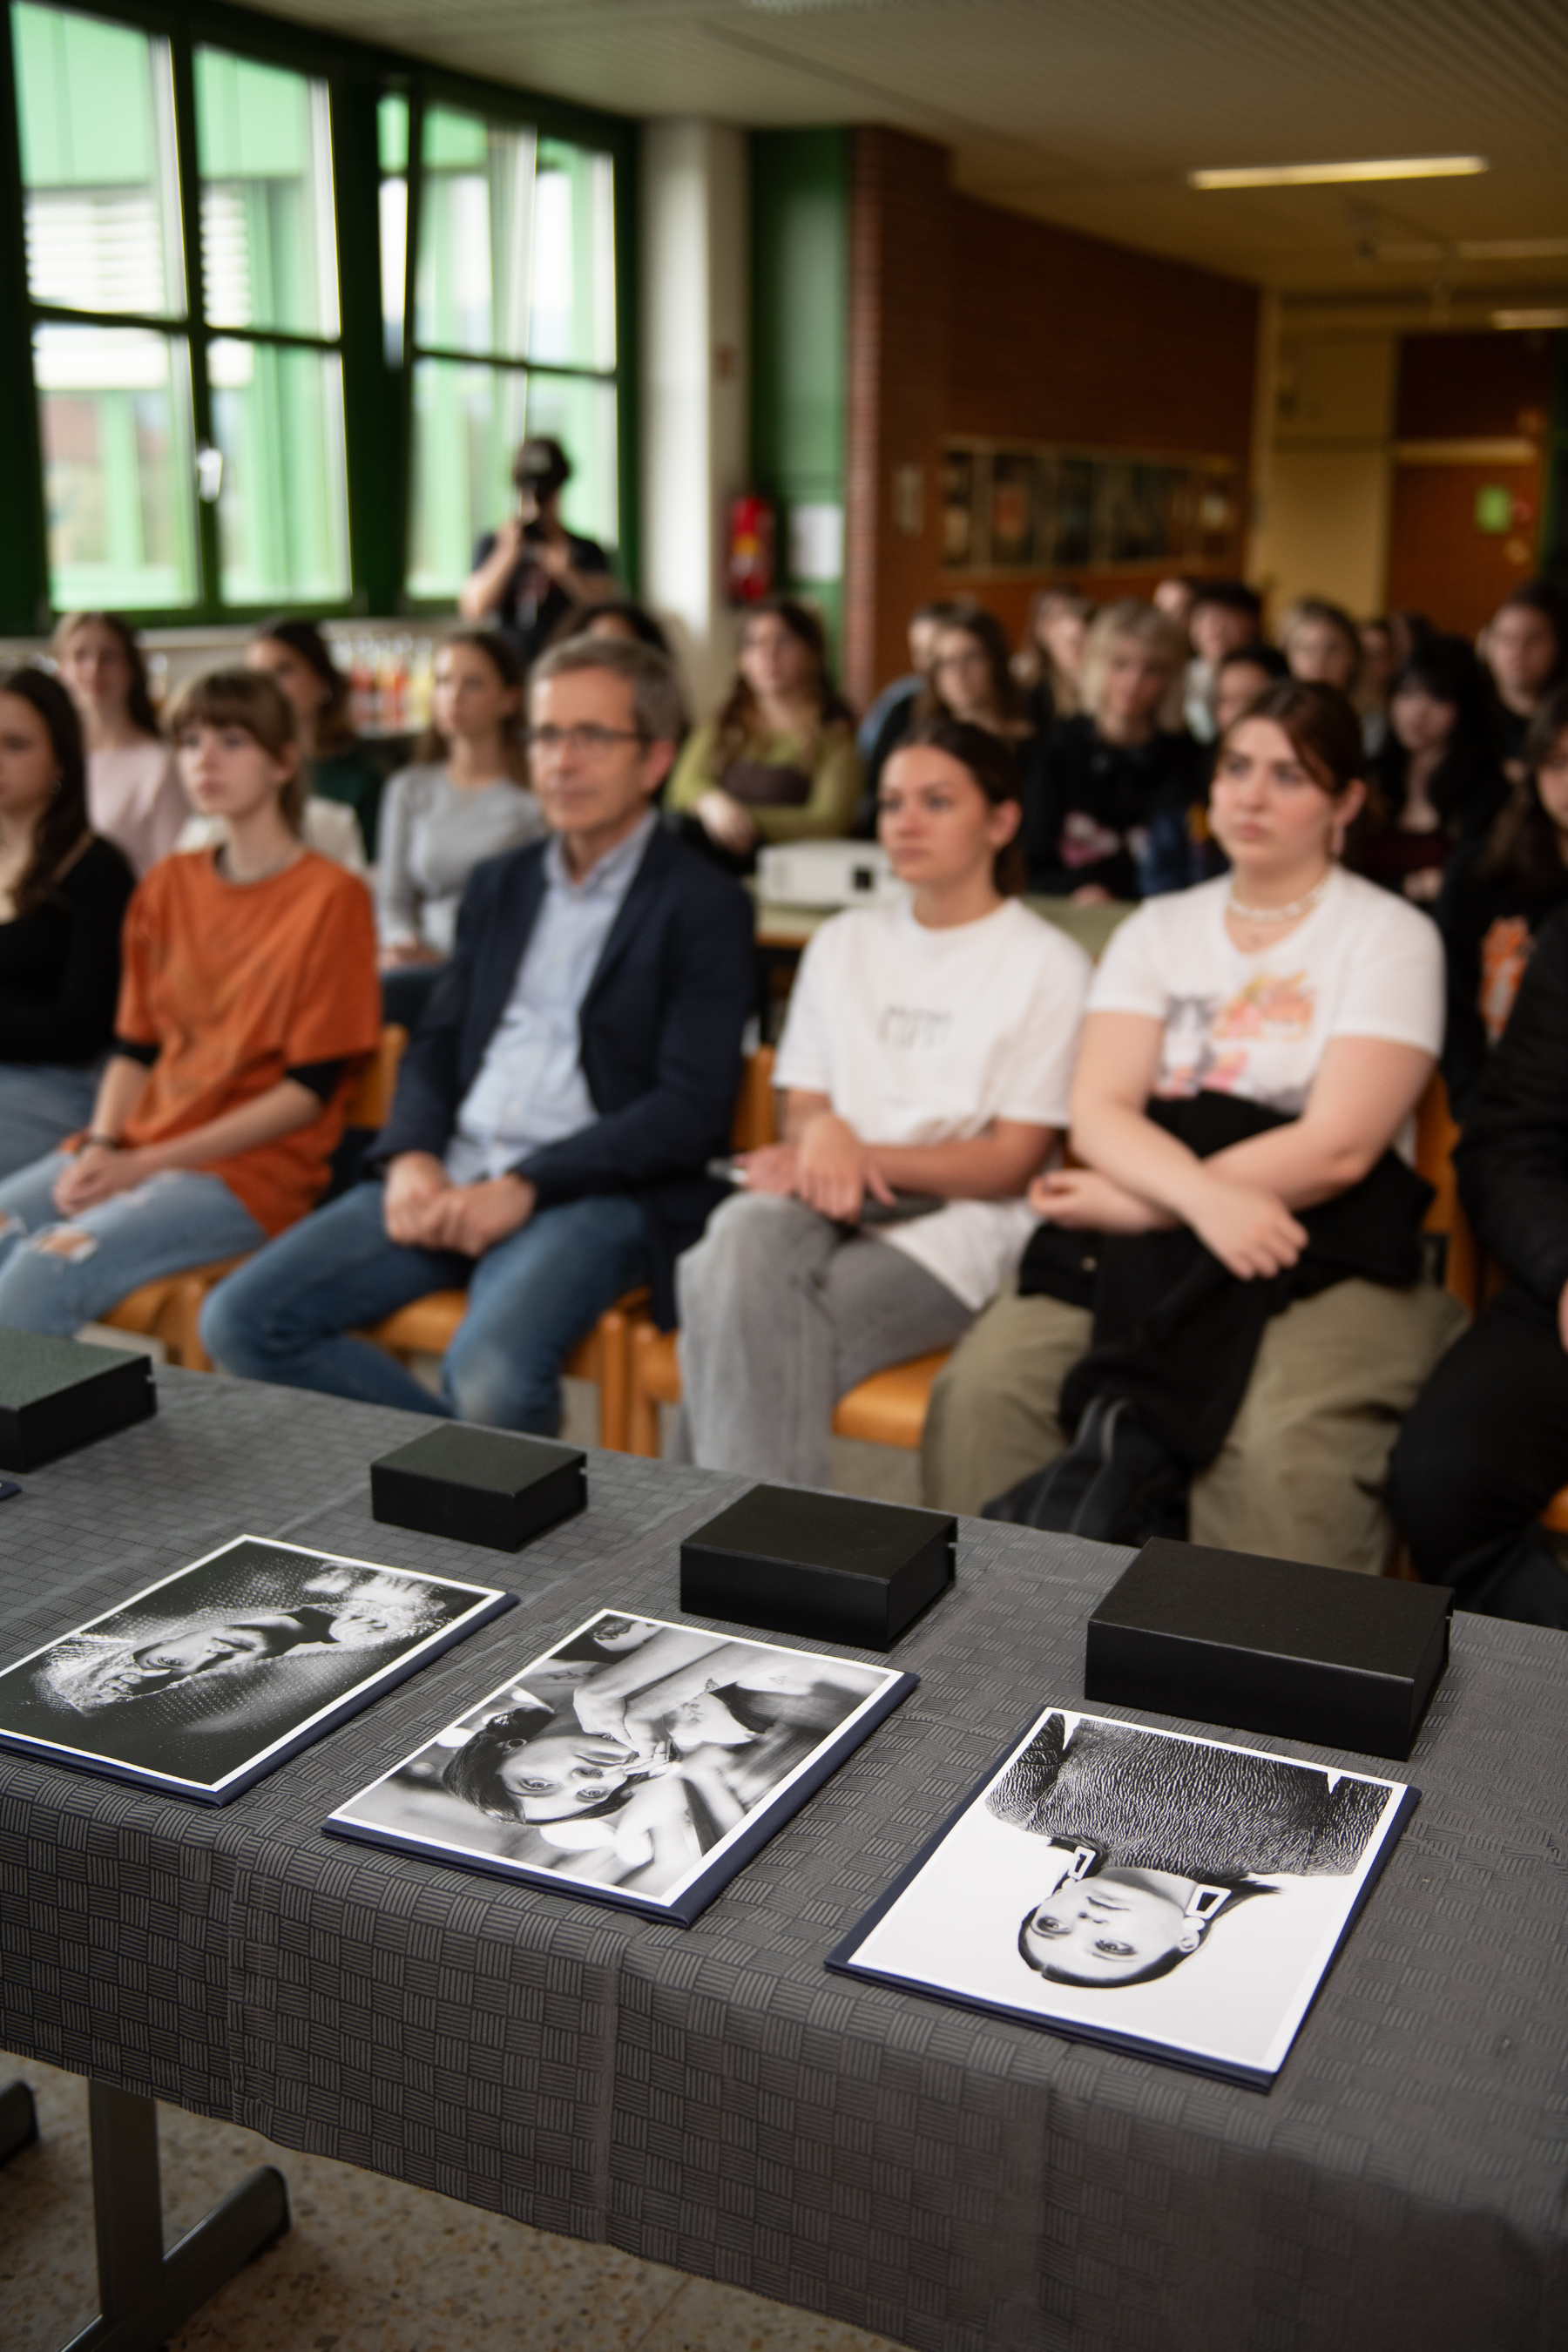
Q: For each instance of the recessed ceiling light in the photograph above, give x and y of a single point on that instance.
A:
(1530, 318)
(1322, 175)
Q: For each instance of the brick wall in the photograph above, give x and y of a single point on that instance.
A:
(970, 320)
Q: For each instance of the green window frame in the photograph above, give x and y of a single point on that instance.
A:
(286, 341)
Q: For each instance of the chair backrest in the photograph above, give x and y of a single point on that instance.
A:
(371, 1099)
(1436, 1136)
(755, 1123)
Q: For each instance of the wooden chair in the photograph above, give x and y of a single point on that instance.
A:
(427, 1326)
(888, 1409)
(1436, 1136)
(169, 1308)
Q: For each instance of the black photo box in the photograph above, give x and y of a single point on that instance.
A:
(57, 1395)
(828, 1566)
(1271, 1645)
(479, 1485)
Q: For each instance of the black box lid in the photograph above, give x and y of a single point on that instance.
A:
(840, 1532)
(33, 1367)
(1277, 1608)
(495, 1461)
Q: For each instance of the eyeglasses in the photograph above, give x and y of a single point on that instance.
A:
(590, 742)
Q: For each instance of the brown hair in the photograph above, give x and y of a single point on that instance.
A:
(251, 699)
(656, 703)
(990, 764)
(1321, 727)
(139, 700)
(738, 714)
(334, 723)
(62, 832)
(506, 663)
(1333, 616)
(993, 641)
(1523, 845)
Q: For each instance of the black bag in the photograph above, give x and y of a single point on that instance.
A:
(1115, 1484)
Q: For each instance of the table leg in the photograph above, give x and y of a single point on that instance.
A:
(145, 2295)
(18, 2119)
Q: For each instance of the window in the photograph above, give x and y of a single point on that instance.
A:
(513, 332)
(103, 247)
(202, 321)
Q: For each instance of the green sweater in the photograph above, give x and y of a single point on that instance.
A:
(832, 764)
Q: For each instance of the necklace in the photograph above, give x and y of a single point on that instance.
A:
(1278, 914)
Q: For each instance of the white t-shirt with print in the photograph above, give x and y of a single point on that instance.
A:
(1364, 963)
(925, 1036)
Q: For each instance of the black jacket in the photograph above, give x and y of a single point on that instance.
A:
(1089, 805)
(1210, 1813)
(1490, 926)
(59, 966)
(1513, 1160)
(660, 1030)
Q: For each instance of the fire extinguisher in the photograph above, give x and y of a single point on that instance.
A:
(749, 563)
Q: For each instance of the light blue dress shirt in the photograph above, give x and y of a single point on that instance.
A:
(530, 1089)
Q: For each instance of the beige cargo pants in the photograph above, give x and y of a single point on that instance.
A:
(1299, 1476)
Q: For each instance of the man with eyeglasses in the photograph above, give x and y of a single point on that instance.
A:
(574, 1074)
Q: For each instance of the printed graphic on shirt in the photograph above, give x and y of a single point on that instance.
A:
(908, 1031)
(1209, 1047)
(1505, 952)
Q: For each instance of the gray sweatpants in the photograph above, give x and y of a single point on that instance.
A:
(780, 1313)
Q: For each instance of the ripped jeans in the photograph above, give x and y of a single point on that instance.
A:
(175, 1219)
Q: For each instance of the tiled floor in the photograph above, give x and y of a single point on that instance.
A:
(370, 2265)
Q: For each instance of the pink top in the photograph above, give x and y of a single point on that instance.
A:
(134, 797)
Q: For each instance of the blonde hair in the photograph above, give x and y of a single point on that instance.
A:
(1144, 626)
(253, 699)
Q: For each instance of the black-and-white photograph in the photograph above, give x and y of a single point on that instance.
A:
(1174, 1895)
(211, 1677)
(637, 1762)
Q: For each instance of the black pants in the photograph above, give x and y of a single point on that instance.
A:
(1483, 1451)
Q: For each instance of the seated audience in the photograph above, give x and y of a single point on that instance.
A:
(557, 1107)
(1181, 848)
(1437, 779)
(338, 769)
(1525, 647)
(1176, 596)
(528, 574)
(133, 796)
(972, 680)
(1498, 894)
(62, 899)
(465, 798)
(1226, 1292)
(779, 762)
(1099, 780)
(1322, 644)
(927, 1052)
(891, 715)
(248, 1003)
(1379, 667)
(1486, 1445)
(1051, 666)
(1225, 614)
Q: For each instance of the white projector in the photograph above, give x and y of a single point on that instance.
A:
(827, 874)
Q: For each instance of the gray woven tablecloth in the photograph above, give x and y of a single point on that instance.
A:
(710, 2097)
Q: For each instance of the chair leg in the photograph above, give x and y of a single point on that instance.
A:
(614, 1379)
(642, 1409)
(189, 1301)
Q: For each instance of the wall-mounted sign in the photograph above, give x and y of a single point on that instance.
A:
(1029, 508)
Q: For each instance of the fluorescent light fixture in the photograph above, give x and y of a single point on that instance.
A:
(1329, 175)
(1530, 318)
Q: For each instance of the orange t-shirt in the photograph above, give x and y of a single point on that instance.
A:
(237, 983)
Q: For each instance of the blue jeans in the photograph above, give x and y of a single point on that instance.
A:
(173, 1221)
(40, 1104)
(290, 1315)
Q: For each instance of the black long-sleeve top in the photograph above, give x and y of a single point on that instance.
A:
(1489, 925)
(1089, 805)
(59, 964)
(1513, 1160)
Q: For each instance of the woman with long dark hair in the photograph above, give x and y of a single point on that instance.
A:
(927, 1055)
(778, 761)
(1438, 778)
(1498, 894)
(63, 894)
(133, 794)
(338, 767)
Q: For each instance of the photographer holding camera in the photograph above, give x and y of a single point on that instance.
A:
(531, 572)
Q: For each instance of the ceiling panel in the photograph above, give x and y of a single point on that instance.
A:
(1090, 112)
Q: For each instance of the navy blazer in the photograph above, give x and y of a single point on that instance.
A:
(660, 1028)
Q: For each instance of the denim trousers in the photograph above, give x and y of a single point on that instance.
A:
(40, 1104)
(175, 1219)
(781, 1311)
(290, 1315)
